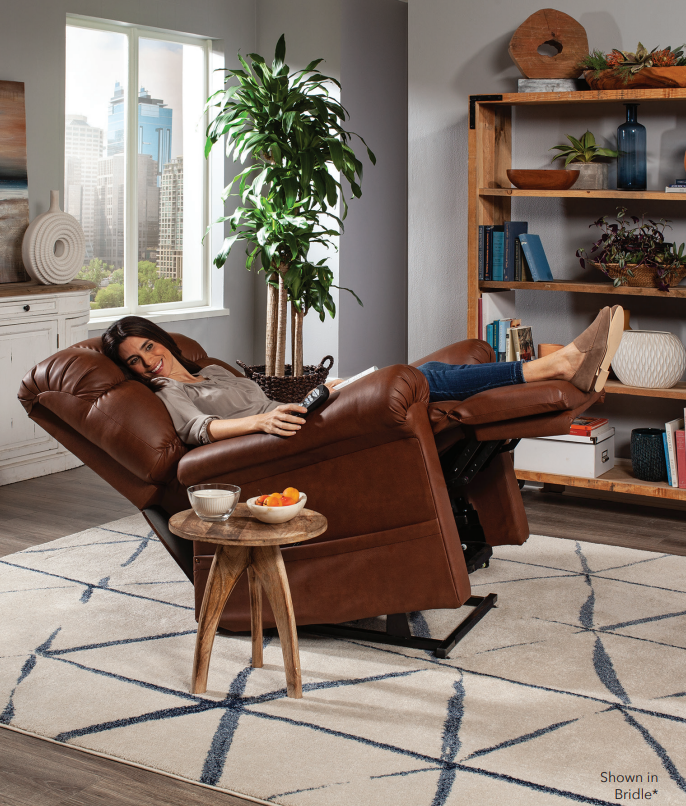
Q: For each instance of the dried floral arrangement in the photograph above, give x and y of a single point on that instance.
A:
(632, 243)
(625, 64)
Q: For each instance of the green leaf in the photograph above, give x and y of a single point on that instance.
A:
(331, 189)
(336, 151)
(279, 54)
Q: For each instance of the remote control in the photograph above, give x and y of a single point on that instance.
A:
(315, 399)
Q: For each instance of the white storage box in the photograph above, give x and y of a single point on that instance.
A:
(588, 457)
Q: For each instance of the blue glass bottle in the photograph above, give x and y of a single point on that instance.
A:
(631, 143)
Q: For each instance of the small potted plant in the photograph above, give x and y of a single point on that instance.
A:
(633, 252)
(583, 155)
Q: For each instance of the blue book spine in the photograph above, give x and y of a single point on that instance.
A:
(669, 469)
(488, 252)
(482, 275)
(498, 254)
(512, 230)
(489, 335)
(535, 257)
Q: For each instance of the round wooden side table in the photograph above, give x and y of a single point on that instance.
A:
(244, 543)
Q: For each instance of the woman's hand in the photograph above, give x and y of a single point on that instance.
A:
(281, 421)
(334, 383)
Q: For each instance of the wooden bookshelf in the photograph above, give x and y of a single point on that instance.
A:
(581, 287)
(618, 480)
(657, 195)
(490, 202)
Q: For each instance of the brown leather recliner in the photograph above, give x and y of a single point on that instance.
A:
(383, 464)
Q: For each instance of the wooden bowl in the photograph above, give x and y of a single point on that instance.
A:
(546, 179)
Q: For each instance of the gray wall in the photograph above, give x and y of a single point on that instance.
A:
(460, 48)
(32, 42)
(374, 247)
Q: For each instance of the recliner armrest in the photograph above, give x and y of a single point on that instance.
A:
(469, 351)
(375, 410)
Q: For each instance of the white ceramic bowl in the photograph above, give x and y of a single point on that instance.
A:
(276, 514)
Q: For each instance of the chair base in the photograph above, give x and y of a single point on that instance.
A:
(399, 634)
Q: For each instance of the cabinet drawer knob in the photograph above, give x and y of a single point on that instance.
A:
(27, 307)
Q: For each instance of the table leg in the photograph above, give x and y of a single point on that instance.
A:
(255, 617)
(271, 571)
(228, 564)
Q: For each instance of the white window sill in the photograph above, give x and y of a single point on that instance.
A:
(179, 315)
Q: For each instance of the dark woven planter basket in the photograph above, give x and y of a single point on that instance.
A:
(287, 389)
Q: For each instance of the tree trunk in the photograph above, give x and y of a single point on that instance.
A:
(272, 327)
(280, 365)
(297, 340)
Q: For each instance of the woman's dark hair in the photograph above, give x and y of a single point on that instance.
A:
(119, 331)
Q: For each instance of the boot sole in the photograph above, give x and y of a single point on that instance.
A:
(614, 337)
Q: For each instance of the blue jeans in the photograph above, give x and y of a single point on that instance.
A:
(460, 381)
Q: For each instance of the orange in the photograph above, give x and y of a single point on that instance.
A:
(262, 500)
(274, 500)
(292, 494)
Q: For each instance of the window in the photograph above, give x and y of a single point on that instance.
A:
(135, 173)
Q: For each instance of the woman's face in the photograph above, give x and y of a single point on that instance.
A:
(146, 357)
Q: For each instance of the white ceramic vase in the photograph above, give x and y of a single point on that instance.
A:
(650, 359)
(54, 245)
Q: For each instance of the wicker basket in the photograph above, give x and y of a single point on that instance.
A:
(644, 276)
(285, 388)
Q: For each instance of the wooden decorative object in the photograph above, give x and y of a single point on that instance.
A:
(649, 78)
(246, 544)
(549, 27)
(545, 179)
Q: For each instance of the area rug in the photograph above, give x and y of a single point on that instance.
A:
(573, 689)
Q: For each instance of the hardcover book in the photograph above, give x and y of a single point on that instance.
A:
(481, 239)
(670, 428)
(680, 437)
(535, 257)
(585, 426)
(669, 469)
(498, 254)
(523, 343)
(511, 231)
(488, 249)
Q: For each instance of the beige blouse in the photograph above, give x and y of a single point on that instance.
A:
(219, 396)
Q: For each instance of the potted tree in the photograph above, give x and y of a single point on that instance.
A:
(583, 155)
(289, 128)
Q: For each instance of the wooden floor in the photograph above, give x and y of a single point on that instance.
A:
(34, 772)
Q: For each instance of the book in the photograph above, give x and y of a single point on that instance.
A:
(480, 325)
(679, 182)
(669, 469)
(535, 257)
(357, 377)
(522, 273)
(680, 438)
(509, 348)
(523, 343)
(511, 231)
(488, 249)
(585, 426)
(489, 335)
(670, 428)
(503, 325)
(675, 189)
(480, 247)
(498, 254)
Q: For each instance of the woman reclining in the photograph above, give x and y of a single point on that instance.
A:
(208, 404)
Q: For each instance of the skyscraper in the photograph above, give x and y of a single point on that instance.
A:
(170, 255)
(83, 149)
(154, 127)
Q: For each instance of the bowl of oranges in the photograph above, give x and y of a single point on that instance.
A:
(277, 507)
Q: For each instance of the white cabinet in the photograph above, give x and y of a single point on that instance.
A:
(35, 322)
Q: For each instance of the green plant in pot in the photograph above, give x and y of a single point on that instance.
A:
(583, 155)
(289, 128)
(633, 251)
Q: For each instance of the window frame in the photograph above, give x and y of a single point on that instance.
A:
(163, 310)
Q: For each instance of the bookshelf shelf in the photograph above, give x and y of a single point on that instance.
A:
(677, 392)
(658, 195)
(490, 203)
(618, 480)
(580, 287)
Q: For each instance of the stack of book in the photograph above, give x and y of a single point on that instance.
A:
(675, 452)
(508, 252)
(510, 340)
(678, 186)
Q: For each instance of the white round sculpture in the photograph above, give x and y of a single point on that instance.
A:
(650, 359)
(54, 245)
